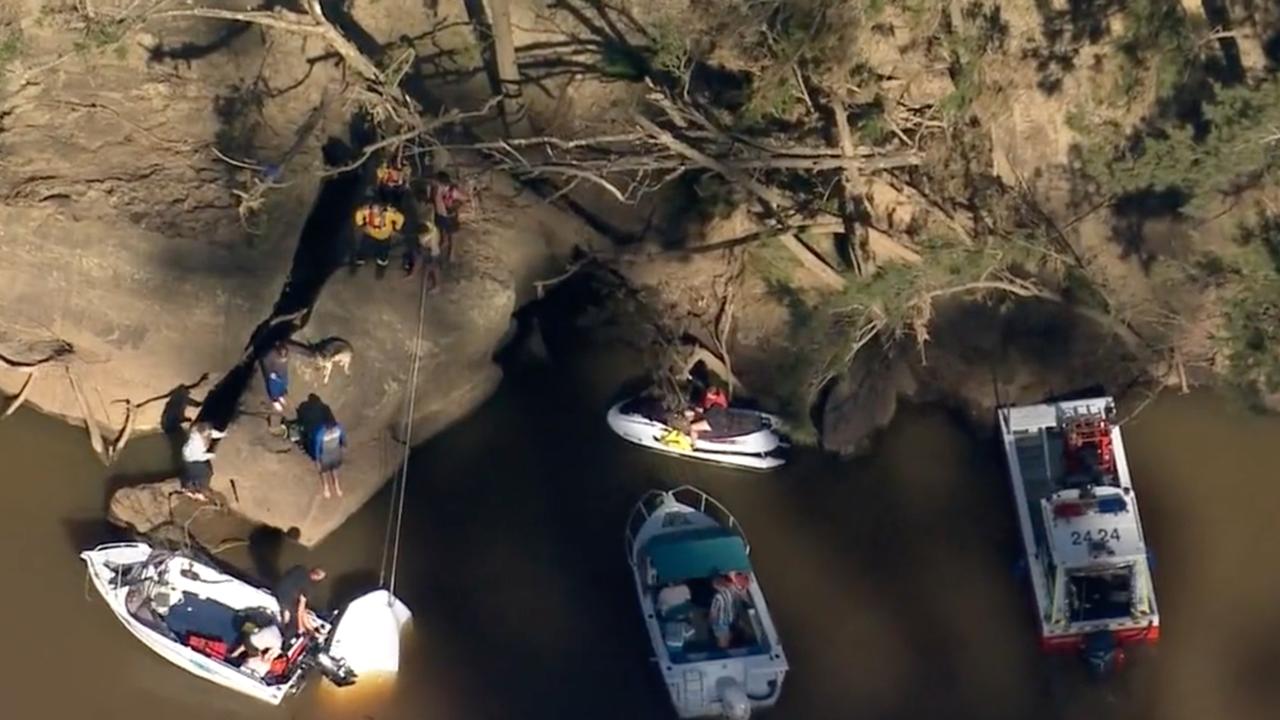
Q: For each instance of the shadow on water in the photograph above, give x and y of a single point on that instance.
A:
(506, 570)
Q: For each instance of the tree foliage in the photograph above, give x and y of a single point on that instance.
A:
(1235, 147)
(1251, 332)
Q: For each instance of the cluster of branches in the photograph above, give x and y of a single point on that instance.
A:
(668, 139)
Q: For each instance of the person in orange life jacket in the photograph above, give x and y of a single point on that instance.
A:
(446, 202)
(379, 226)
(392, 178)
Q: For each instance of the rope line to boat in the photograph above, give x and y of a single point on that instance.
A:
(399, 491)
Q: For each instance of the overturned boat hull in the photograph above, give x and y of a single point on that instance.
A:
(761, 448)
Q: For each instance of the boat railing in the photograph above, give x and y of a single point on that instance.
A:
(685, 495)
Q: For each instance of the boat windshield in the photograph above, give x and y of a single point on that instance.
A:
(1104, 595)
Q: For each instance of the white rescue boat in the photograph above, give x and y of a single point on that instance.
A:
(1083, 540)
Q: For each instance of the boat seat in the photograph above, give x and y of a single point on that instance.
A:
(731, 423)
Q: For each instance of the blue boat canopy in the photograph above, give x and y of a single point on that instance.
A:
(700, 553)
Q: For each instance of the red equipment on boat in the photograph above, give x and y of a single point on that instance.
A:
(1089, 431)
(213, 647)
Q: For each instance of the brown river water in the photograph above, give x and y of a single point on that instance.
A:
(891, 578)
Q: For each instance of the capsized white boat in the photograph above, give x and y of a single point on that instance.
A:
(738, 437)
(191, 613)
(681, 545)
(1082, 537)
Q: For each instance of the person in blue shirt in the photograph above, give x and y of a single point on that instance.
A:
(322, 438)
(275, 373)
(326, 446)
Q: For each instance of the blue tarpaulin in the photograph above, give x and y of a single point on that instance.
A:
(700, 553)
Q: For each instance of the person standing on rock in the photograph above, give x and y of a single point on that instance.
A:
(275, 373)
(391, 178)
(197, 471)
(425, 245)
(446, 202)
(379, 226)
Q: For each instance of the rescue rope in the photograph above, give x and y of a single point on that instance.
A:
(398, 492)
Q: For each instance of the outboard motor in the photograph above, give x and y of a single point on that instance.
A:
(333, 668)
(1102, 653)
(734, 703)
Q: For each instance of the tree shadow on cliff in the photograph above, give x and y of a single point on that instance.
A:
(1065, 31)
(189, 51)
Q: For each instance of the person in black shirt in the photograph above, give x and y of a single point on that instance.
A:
(292, 592)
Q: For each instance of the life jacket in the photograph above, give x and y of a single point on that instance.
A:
(451, 198)
(676, 440)
(714, 397)
(212, 647)
(389, 175)
(330, 443)
(374, 218)
(379, 222)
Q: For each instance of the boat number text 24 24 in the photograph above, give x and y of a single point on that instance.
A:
(1088, 536)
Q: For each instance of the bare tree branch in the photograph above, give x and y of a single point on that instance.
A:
(313, 23)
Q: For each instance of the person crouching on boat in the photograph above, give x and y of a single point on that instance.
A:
(292, 592)
(262, 647)
(731, 594)
(197, 471)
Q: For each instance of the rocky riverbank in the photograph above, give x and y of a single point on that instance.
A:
(153, 207)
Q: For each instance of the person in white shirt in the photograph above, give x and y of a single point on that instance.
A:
(197, 471)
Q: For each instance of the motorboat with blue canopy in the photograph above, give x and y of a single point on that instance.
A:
(712, 635)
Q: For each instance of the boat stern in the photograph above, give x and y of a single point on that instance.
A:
(726, 688)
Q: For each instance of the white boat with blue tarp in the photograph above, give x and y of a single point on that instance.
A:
(713, 637)
(195, 614)
(1083, 539)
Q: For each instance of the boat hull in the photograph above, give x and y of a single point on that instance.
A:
(1074, 643)
(1079, 522)
(193, 662)
(760, 450)
(729, 683)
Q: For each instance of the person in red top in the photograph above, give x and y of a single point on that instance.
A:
(446, 201)
(714, 397)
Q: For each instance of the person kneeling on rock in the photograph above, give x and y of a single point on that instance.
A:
(379, 225)
(197, 471)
